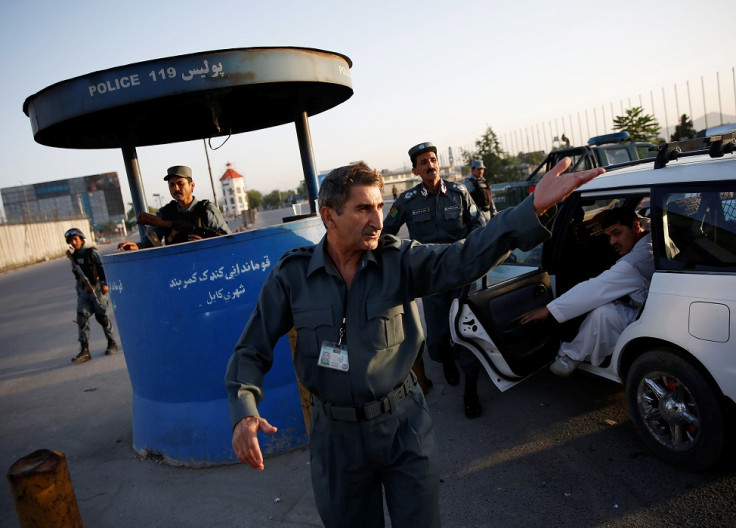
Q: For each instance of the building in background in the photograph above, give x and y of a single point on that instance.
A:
(96, 197)
(235, 196)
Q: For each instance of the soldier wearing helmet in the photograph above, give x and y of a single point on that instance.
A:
(92, 293)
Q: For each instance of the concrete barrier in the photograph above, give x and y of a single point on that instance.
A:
(24, 244)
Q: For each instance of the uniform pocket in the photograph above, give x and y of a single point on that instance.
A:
(314, 325)
(385, 323)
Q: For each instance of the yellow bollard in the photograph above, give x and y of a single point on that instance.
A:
(43, 492)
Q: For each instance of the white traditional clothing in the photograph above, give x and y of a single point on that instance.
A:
(612, 298)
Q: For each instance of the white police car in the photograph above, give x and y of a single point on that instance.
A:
(677, 359)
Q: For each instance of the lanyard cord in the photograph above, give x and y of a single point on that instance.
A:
(343, 325)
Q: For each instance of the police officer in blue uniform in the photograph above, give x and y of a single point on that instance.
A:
(351, 300)
(92, 293)
(439, 211)
(479, 189)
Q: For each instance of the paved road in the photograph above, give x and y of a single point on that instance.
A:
(551, 452)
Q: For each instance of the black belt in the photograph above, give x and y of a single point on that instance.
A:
(373, 409)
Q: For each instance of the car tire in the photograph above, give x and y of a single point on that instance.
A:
(675, 409)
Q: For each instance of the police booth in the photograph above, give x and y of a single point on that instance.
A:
(181, 308)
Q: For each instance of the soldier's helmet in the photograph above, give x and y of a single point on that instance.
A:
(73, 232)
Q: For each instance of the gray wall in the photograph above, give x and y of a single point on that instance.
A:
(23, 244)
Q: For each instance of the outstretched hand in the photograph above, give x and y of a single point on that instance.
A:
(535, 315)
(245, 440)
(556, 185)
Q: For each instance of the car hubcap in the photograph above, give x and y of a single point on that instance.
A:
(669, 411)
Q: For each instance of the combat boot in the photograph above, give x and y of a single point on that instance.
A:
(473, 408)
(112, 347)
(83, 355)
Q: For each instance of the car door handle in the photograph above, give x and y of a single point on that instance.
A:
(538, 291)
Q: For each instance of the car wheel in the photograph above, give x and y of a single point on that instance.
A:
(675, 410)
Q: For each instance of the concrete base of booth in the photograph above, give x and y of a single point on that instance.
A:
(197, 434)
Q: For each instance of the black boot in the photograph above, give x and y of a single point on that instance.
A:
(112, 347)
(452, 375)
(83, 355)
(470, 398)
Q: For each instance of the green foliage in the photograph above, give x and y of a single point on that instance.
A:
(274, 199)
(499, 166)
(255, 199)
(640, 126)
(685, 130)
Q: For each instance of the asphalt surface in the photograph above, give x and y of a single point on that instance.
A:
(550, 452)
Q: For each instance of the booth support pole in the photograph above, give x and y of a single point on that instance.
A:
(133, 171)
(305, 148)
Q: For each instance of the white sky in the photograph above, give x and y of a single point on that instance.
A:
(422, 71)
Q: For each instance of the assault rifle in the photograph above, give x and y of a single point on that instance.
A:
(82, 277)
(176, 226)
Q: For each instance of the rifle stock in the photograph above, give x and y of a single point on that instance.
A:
(153, 220)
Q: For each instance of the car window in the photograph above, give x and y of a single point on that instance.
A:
(698, 228)
(618, 155)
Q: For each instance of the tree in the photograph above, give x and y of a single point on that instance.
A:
(640, 126)
(255, 199)
(499, 166)
(274, 199)
(685, 130)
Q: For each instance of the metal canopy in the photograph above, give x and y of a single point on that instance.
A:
(189, 97)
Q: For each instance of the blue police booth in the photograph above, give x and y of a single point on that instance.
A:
(180, 309)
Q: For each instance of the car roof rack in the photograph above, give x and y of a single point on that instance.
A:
(714, 146)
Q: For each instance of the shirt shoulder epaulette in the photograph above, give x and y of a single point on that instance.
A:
(388, 242)
(411, 193)
(457, 187)
(303, 251)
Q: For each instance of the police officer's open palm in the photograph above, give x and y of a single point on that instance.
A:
(245, 440)
(556, 186)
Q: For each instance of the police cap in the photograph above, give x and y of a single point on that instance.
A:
(421, 149)
(178, 171)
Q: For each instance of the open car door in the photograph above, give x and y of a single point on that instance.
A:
(487, 322)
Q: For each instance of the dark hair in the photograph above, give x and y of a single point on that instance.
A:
(336, 186)
(625, 216)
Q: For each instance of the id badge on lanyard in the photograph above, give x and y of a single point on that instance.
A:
(335, 355)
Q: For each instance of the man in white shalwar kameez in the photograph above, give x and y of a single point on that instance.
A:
(611, 299)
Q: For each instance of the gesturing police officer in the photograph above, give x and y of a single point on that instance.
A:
(351, 299)
(439, 211)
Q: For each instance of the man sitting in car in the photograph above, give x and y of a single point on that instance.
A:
(611, 299)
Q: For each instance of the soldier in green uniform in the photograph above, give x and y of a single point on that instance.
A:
(351, 300)
(439, 211)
